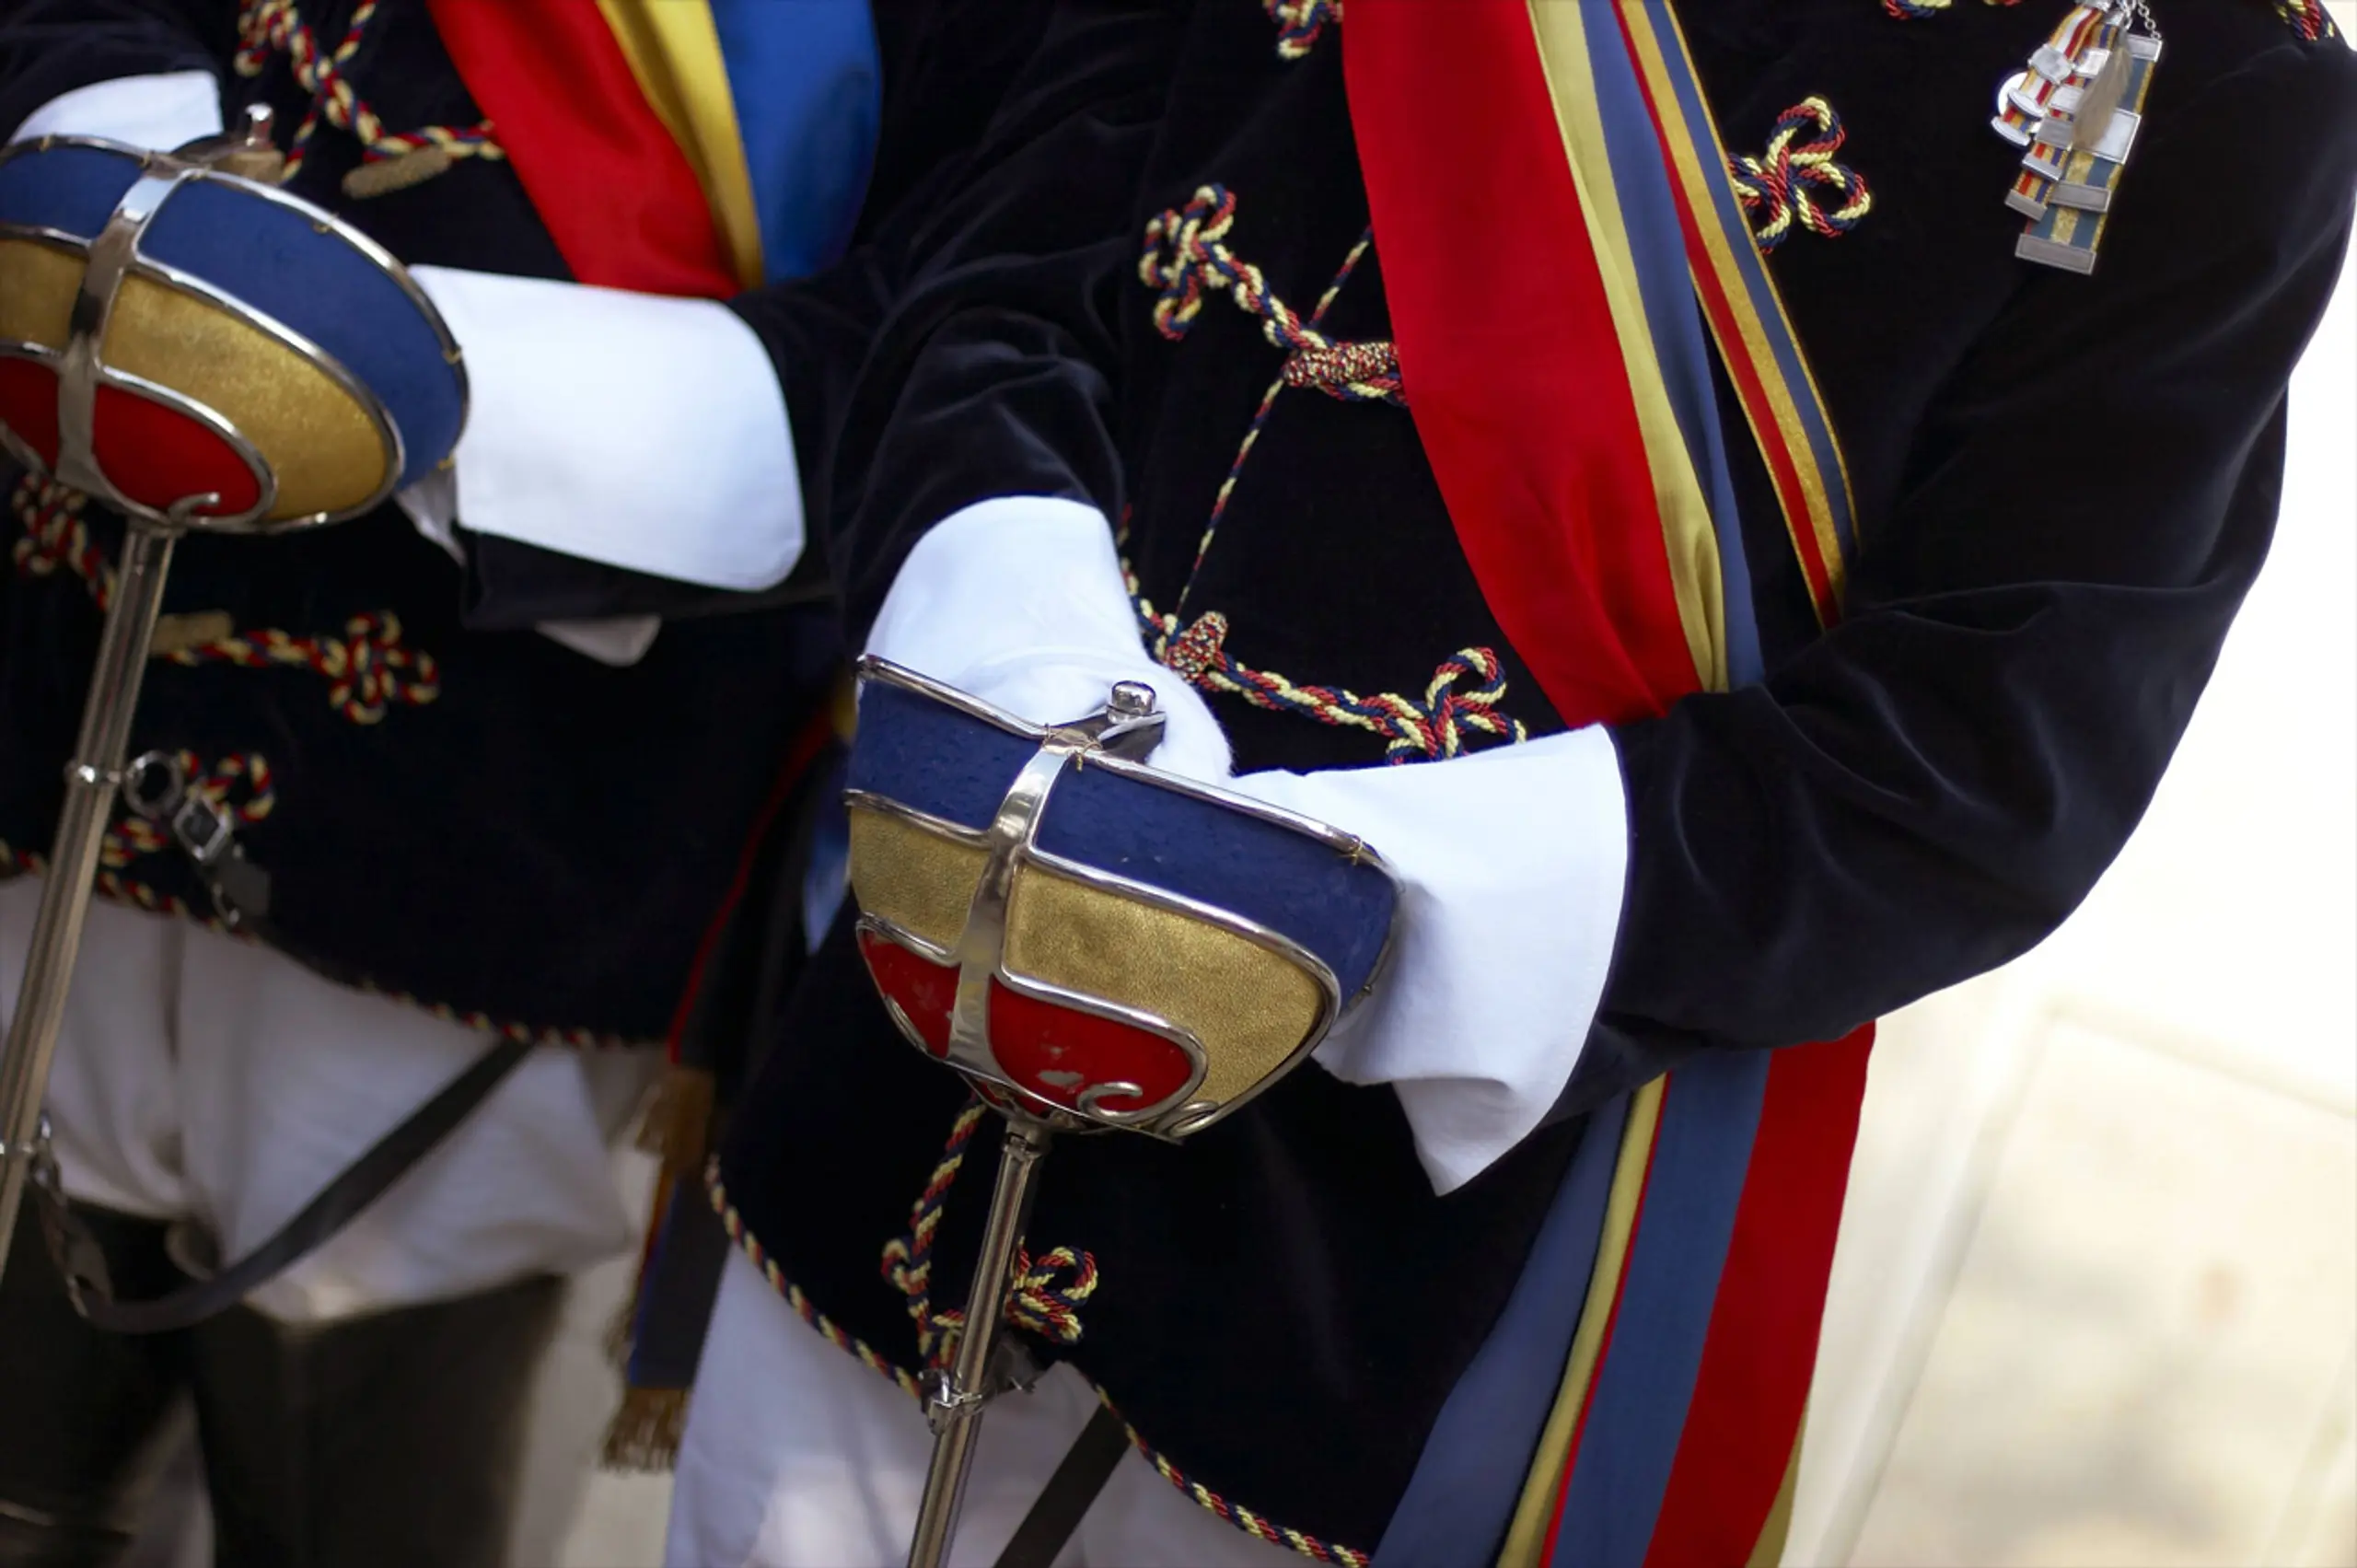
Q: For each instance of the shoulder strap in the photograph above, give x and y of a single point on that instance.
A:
(1088, 1465)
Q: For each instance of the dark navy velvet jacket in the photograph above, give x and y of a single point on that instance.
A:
(544, 843)
(2065, 486)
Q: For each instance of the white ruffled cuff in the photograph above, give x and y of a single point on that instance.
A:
(639, 430)
(1514, 862)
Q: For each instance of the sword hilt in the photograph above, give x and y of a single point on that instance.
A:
(91, 781)
(956, 1396)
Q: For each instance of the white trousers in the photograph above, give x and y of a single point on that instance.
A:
(796, 1456)
(202, 1078)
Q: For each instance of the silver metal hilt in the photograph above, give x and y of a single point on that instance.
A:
(956, 1398)
(92, 779)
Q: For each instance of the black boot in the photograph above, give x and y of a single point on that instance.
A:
(84, 1427)
(394, 1440)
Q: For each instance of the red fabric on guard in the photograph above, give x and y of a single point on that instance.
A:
(1058, 1053)
(156, 456)
(619, 197)
(28, 406)
(923, 990)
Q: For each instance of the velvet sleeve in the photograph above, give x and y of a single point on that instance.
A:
(49, 48)
(1929, 788)
(999, 279)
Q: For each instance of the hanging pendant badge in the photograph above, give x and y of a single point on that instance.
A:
(2075, 113)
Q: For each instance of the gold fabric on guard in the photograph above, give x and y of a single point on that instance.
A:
(1251, 1007)
(37, 282)
(918, 879)
(321, 442)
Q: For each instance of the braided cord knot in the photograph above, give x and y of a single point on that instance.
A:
(1047, 1292)
(1799, 181)
(1299, 23)
(1187, 245)
(1459, 707)
(270, 28)
(369, 668)
(1187, 256)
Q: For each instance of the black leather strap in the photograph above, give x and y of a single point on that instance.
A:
(83, 1262)
(1088, 1466)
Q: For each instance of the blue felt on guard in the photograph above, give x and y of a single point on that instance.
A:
(1339, 909)
(270, 256)
(932, 757)
(68, 189)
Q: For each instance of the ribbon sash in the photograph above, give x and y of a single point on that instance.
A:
(1558, 239)
(614, 190)
(693, 147)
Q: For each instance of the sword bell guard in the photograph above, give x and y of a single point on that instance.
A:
(201, 351)
(1094, 943)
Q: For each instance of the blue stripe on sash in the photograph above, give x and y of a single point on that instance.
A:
(1672, 315)
(808, 91)
(1637, 1412)
(1727, 214)
(1458, 1505)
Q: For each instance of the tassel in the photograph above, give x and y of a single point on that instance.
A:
(622, 1334)
(179, 633)
(382, 177)
(645, 1433)
(676, 1129)
(678, 1124)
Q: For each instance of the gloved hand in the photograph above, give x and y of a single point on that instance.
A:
(1511, 860)
(1020, 601)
